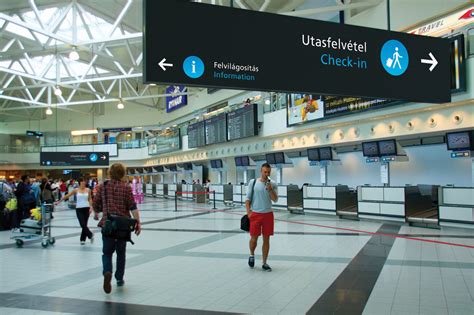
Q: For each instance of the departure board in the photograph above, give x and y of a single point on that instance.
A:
(242, 123)
(216, 129)
(196, 135)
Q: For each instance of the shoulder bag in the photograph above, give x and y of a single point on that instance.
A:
(245, 221)
(116, 226)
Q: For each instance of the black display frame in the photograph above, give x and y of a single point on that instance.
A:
(374, 143)
(327, 150)
(312, 150)
(470, 135)
(392, 141)
(270, 158)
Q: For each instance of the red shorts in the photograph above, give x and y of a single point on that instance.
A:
(261, 223)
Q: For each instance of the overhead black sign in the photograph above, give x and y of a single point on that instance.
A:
(307, 56)
(74, 158)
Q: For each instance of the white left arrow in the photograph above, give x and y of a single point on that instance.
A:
(163, 65)
(433, 62)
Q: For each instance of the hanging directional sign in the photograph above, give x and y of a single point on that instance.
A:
(74, 158)
(224, 47)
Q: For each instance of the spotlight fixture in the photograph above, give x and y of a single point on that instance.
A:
(57, 91)
(73, 55)
(49, 111)
(120, 105)
(267, 102)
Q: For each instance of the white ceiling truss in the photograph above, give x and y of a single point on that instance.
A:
(36, 37)
(34, 61)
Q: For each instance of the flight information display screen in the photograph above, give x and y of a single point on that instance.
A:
(196, 135)
(216, 129)
(242, 123)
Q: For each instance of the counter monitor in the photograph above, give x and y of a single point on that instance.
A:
(370, 149)
(325, 154)
(457, 141)
(387, 147)
(270, 157)
(313, 154)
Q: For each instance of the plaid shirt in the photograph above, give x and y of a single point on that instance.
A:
(119, 199)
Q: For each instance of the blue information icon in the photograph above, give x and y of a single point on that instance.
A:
(193, 67)
(93, 157)
(394, 57)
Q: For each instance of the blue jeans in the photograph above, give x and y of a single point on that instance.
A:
(109, 246)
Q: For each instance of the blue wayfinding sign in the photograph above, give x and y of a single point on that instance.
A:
(175, 102)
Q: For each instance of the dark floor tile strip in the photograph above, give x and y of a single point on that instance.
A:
(78, 306)
(5, 246)
(349, 293)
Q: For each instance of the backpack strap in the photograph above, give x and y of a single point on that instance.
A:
(253, 189)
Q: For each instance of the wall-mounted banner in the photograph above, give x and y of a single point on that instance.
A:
(313, 56)
(175, 102)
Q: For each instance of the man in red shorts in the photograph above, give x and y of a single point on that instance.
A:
(260, 194)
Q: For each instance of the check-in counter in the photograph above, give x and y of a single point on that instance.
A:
(391, 203)
(219, 192)
(173, 189)
(456, 206)
(294, 198)
(199, 193)
(333, 200)
(150, 190)
(161, 190)
(282, 201)
(239, 193)
(228, 194)
(187, 190)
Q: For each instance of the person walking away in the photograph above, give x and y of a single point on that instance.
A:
(26, 200)
(46, 191)
(83, 208)
(114, 197)
(260, 194)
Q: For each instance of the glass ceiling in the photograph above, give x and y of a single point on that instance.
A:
(86, 23)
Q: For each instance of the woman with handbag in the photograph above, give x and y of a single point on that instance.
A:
(115, 200)
(83, 208)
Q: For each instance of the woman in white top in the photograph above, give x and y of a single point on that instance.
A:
(83, 208)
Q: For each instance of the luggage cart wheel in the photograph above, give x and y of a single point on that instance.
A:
(52, 240)
(19, 243)
(44, 244)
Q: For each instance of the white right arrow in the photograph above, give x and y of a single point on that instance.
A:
(433, 62)
(163, 65)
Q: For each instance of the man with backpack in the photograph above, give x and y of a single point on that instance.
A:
(260, 194)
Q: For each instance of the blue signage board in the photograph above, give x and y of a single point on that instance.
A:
(175, 102)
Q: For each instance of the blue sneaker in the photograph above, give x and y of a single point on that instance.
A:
(120, 283)
(251, 261)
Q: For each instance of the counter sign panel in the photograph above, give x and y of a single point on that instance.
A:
(314, 57)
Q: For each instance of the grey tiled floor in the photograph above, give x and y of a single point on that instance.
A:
(200, 263)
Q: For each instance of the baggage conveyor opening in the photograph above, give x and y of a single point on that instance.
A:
(422, 206)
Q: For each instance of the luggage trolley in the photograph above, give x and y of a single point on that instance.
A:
(31, 229)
